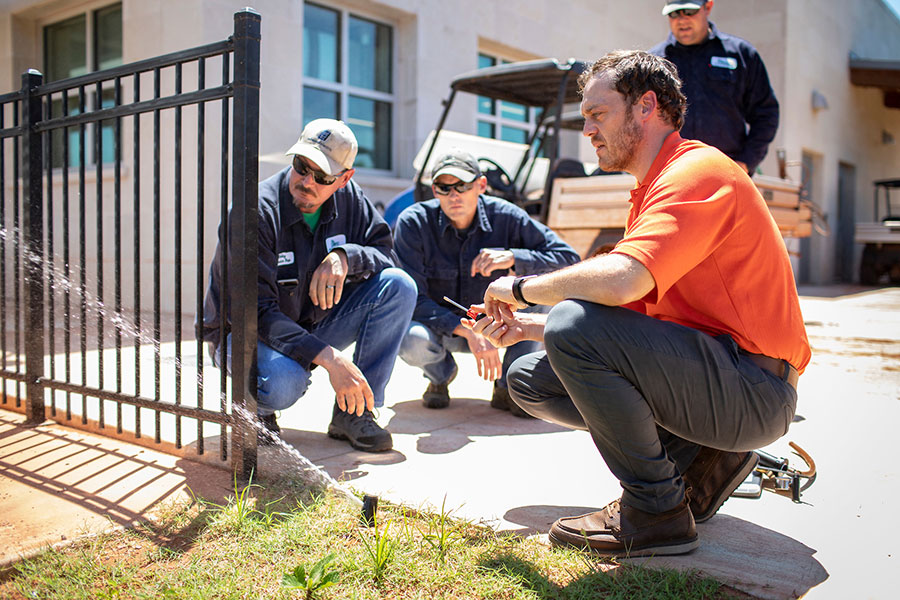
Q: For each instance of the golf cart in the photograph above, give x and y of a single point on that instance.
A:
(587, 207)
(881, 254)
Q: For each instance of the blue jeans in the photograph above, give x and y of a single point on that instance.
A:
(433, 353)
(375, 315)
(650, 393)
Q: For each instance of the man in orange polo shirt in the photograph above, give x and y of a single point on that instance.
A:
(679, 351)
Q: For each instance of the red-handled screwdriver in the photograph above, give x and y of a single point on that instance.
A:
(472, 313)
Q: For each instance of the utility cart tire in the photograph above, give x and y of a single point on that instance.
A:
(869, 268)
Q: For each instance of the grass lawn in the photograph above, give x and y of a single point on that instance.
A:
(283, 540)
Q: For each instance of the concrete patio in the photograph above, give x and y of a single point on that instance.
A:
(57, 484)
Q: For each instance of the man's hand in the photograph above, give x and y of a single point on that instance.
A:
(492, 259)
(487, 358)
(327, 283)
(351, 390)
(499, 293)
(511, 329)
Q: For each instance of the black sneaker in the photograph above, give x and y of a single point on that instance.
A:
(501, 401)
(437, 395)
(362, 431)
(269, 433)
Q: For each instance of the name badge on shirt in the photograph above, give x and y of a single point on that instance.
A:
(335, 241)
(285, 258)
(724, 62)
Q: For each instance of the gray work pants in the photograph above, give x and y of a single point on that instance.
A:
(650, 393)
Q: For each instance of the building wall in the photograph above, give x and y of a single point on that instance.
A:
(805, 44)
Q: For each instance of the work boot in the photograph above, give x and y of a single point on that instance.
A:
(713, 476)
(361, 431)
(268, 432)
(437, 395)
(501, 400)
(619, 530)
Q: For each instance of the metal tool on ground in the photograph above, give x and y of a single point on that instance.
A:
(776, 475)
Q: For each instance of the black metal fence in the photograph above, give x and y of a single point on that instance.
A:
(106, 230)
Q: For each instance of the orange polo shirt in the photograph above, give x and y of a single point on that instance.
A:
(700, 226)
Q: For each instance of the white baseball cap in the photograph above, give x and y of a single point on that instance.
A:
(328, 143)
(673, 5)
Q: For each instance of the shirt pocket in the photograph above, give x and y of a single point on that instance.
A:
(441, 278)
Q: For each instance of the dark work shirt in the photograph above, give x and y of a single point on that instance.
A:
(289, 253)
(439, 257)
(731, 105)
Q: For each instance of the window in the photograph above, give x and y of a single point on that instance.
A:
(91, 41)
(348, 75)
(500, 119)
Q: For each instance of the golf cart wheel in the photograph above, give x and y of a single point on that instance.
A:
(869, 267)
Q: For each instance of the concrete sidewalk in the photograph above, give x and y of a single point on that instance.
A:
(521, 474)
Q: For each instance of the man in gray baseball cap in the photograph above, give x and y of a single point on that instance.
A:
(454, 246)
(326, 277)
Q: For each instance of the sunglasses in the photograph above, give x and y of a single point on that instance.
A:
(444, 189)
(684, 12)
(319, 177)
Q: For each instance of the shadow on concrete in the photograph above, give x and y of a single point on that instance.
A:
(731, 547)
(66, 483)
(538, 518)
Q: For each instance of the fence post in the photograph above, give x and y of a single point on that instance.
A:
(243, 230)
(33, 233)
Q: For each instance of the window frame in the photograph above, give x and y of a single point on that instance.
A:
(497, 120)
(89, 11)
(344, 90)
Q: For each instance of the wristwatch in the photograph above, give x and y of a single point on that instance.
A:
(517, 289)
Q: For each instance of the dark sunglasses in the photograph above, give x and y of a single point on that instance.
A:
(684, 12)
(444, 189)
(319, 177)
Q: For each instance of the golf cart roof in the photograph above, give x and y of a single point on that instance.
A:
(532, 82)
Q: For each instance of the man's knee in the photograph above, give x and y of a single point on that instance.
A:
(419, 346)
(399, 287)
(281, 383)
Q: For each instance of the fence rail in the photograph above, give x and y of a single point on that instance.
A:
(102, 235)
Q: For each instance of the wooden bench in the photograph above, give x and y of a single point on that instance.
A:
(589, 211)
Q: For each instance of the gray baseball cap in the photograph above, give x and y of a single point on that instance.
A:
(458, 163)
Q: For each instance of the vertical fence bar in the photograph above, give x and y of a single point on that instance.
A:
(67, 271)
(82, 242)
(201, 263)
(156, 253)
(33, 224)
(98, 188)
(224, 236)
(244, 204)
(136, 210)
(51, 255)
(177, 201)
(16, 249)
(117, 238)
(3, 242)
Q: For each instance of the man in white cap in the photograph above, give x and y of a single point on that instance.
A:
(731, 105)
(454, 246)
(327, 279)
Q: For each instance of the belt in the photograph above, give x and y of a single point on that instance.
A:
(776, 366)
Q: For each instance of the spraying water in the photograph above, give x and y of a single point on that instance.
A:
(290, 460)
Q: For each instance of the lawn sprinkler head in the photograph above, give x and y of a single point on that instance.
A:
(369, 508)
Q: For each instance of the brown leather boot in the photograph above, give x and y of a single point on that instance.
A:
(619, 530)
(713, 476)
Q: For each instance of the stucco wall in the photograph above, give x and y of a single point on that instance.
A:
(804, 43)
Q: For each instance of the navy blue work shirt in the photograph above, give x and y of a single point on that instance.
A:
(289, 253)
(439, 257)
(731, 104)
